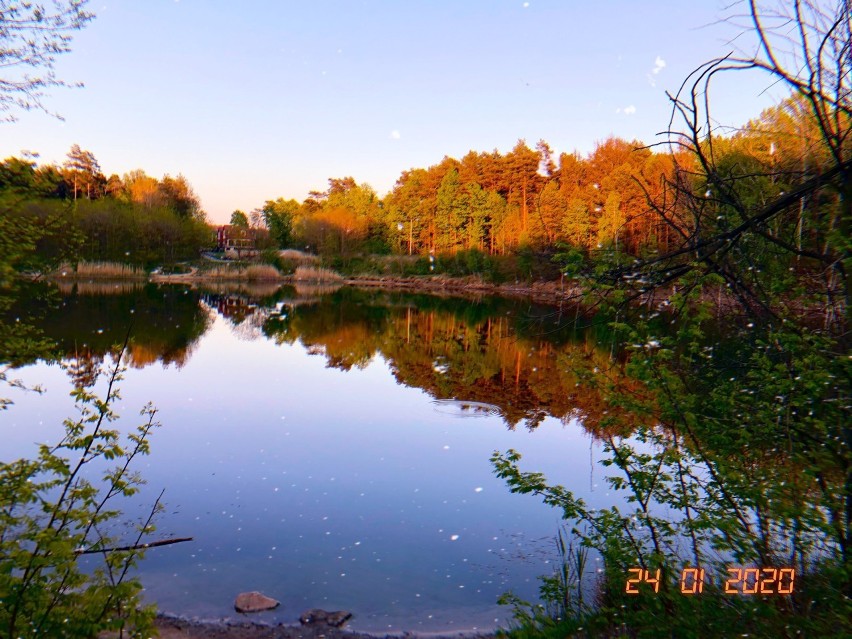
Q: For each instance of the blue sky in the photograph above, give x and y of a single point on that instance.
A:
(260, 99)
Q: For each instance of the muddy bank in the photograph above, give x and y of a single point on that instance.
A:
(554, 292)
(174, 628)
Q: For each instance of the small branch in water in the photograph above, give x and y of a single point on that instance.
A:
(153, 544)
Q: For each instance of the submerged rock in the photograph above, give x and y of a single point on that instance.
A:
(254, 602)
(317, 617)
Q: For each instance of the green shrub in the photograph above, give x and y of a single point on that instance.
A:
(273, 257)
(175, 269)
(52, 511)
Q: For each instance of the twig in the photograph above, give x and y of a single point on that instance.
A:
(153, 544)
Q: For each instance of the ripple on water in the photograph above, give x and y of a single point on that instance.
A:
(465, 408)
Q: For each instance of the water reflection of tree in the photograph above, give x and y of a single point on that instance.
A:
(20, 341)
(747, 460)
(84, 368)
(164, 323)
(490, 352)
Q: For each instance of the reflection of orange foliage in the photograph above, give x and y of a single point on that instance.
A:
(84, 365)
(595, 378)
(141, 355)
(345, 346)
(528, 379)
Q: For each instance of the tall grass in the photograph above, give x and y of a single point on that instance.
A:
(103, 287)
(564, 611)
(101, 270)
(316, 274)
(299, 257)
(260, 272)
(253, 273)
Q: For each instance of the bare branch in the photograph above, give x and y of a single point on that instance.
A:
(152, 544)
(32, 38)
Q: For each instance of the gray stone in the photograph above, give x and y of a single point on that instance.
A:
(323, 618)
(254, 602)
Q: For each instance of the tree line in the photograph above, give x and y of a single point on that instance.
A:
(74, 211)
(603, 203)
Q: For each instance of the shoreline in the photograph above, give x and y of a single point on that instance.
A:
(557, 293)
(171, 627)
(552, 292)
(546, 292)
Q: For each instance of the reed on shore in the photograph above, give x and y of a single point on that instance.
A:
(100, 270)
(317, 274)
(252, 273)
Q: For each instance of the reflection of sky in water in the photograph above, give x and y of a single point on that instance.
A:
(324, 488)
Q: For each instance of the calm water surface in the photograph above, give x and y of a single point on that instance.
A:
(333, 450)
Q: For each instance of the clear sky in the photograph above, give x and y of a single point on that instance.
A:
(259, 99)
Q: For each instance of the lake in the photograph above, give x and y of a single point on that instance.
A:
(331, 448)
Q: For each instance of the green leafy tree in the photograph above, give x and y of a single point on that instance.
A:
(278, 216)
(611, 221)
(18, 175)
(576, 224)
(34, 236)
(523, 179)
(477, 216)
(451, 214)
(84, 172)
(550, 209)
(410, 212)
(239, 218)
(179, 195)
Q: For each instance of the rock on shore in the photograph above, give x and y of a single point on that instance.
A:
(317, 617)
(254, 602)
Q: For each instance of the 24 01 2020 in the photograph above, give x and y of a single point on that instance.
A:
(740, 581)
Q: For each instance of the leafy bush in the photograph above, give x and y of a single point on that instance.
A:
(735, 459)
(175, 269)
(468, 262)
(273, 257)
(52, 512)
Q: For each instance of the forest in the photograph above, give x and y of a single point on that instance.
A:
(585, 208)
(528, 198)
(74, 212)
(737, 241)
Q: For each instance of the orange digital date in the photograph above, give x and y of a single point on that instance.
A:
(741, 581)
(642, 576)
(764, 581)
